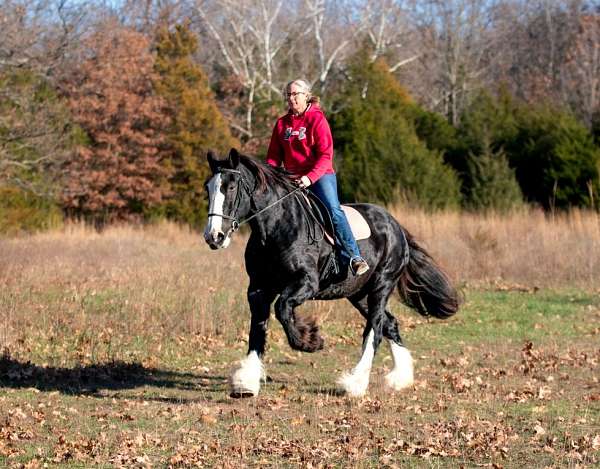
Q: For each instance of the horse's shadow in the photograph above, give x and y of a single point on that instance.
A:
(92, 379)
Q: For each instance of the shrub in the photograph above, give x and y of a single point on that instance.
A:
(555, 158)
(22, 211)
(553, 155)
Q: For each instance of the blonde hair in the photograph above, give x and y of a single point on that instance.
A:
(304, 85)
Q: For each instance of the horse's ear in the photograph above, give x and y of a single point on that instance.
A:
(234, 158)
(211, 157)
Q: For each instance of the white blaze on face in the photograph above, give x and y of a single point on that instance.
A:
(216, 200)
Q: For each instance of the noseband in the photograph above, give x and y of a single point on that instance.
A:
(235, 223)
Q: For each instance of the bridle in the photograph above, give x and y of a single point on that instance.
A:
(235, 223)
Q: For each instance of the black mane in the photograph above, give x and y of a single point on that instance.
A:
(266, 175)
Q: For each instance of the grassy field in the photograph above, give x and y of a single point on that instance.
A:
(116, 347)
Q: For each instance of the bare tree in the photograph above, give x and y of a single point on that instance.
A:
(146, 15)
(249, 35)
(35, 37)
(332, 27)
(458, 40)
(33, 136)
(536, 49)
(582, 69)
(389, 31)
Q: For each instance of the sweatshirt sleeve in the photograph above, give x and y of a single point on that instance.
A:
(275, 151)
(322, 149)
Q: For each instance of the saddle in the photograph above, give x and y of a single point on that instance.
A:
(330, 271)
(359, 226)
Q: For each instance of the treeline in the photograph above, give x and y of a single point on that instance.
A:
(106, 112)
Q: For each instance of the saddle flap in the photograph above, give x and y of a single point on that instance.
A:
(359, 226)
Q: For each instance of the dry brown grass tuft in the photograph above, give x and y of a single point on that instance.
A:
(156, 279)
(527, 247)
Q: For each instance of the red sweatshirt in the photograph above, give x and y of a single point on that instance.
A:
(303, 144)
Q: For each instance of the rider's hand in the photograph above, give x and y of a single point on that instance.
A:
(303, 182)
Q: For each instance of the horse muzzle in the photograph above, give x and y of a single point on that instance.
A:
(216, 239)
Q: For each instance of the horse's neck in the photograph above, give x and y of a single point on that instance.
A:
(283, 219)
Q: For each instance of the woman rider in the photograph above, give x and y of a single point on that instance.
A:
(302, 142)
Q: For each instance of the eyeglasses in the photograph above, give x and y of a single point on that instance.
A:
(295, 94)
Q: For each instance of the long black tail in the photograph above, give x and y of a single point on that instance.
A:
(424, 286)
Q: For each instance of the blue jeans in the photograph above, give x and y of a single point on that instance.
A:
(326, 190)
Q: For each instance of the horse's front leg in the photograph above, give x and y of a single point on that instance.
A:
(302, 333)
(245, 379)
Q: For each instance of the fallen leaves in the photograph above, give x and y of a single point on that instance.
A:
(479, 406)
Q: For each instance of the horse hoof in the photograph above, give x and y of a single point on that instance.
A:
(241, 393)
(245, 379)
(398, 381)
(402, 376)
(354, 385)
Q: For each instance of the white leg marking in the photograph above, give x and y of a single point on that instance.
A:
(401, 376)
(215, 205)
(355, 383)
(245, 379)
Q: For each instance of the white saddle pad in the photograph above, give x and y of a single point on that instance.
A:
(360, 227)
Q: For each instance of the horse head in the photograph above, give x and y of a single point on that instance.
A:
(229, 198)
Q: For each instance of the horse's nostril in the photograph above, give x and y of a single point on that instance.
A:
(220, 236)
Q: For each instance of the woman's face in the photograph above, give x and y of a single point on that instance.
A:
(297, 99)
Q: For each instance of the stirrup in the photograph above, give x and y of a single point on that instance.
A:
(359, 266)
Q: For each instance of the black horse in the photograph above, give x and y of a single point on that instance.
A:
(285, 257)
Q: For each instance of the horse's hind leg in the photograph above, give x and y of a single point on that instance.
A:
(245, 379)
(372, 307)
(402, 375)
(356, 382)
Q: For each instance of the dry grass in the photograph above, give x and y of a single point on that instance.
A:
(165, 276)
(117, 346)
(528, 247)
(152, 278)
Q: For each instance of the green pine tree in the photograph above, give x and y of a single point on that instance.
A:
(492, 184)
(380, 157)
(553, 155)
(556, 161)
(488, 124)
(197, 125)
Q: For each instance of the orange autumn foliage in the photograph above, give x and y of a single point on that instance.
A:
(117, 175)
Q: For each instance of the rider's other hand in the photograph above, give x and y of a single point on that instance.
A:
(303, 182)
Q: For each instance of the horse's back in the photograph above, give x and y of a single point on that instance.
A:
(379, 219)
